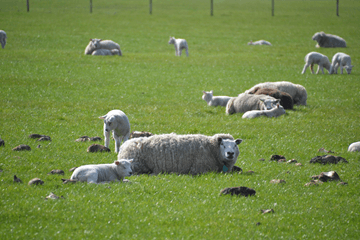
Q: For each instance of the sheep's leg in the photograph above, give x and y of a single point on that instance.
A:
(117, 142)
(187, 51)
(312, 68)
(305, 67)
(336, 68)
(107, 138)
(93, 177)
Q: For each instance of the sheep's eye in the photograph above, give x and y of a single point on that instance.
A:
(109, 124)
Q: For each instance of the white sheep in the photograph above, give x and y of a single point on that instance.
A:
(3, 38)
(354, 147)
(275, 112)
(260, 42)
(247, 102)
(296, 91)
(182, 154)
(103, 173)
(341, 60)
(215, 100)
(179, 44)
(95, 44)
(316, 58)
(104, 52)
(117, 122)
(328, 40)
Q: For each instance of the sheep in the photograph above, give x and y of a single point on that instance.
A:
(215, 100)
(354, 147)
(117, 122)
(104, 52)
(296, 91)
(341, 60)
(285, 99)
(95, 44)
(3, 38)
(275, 112)
(316, 58)
(182, 154)
(103, 173)
(260, 42)
(328, 40)
(246, 102)
(179, 44)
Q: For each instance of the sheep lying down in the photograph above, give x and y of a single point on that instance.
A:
(182, 154)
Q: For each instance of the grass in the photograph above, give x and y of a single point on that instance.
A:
(48, 86)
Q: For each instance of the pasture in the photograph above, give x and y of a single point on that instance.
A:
(48, 86)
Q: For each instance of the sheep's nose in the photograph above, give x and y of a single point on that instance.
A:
(130, 173)
(106, 129)
(230, 154)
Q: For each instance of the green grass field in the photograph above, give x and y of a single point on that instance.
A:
(48, 86)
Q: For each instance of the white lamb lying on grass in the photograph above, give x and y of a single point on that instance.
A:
(277, 111)
(95, 44)
(260, 42)
(215, 100)
(316, 58)
(247, 102)
(341, 60)
(3, 38)
(103, 173)
(117, 122)
(179, 44)
(104, 52)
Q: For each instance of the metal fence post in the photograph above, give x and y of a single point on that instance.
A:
(150, 6)
(90, 6)
(337, 7)
(28, 5)
(272, 7)
(211, 7)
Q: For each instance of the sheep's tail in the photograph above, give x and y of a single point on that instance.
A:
(230, 106)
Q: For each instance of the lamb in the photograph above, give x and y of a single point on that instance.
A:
(95, 44)
(104, 52)
(285, 99)
(354, 147)
(182, 154)
(246, 102)
(179, 44)
(117, 122)
(103, 173)
(296, 91)
(3, 38)
(215, 100)
(328, 40)
(316, 58)
(341, 60)
(275, 112)
(260, 42)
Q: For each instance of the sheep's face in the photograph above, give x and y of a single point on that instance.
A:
(172, 40)
(110, 123)
(123, 167)
(207, 96)
(95, 43)
(348, 69)
(316, 37)
(229, 149)
(268, 104)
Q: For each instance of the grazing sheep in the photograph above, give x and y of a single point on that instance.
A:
(246, 102)
(215, 100)
(182, 154)
(96, 44)
(179, 44)
(316, 58)
(296, 91)
(260, 42)
(328, 40)
(3, 38)
(275, 112)
(102, 173)
(117, 122)
(341, 60)
(104, 52)
(285, 99)
(354, 147)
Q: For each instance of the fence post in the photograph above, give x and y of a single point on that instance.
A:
(211, 7)
(90, 6)
(28, 5)
(150, 6)
(337, 7)
(272, 7)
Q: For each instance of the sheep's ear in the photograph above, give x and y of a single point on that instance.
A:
(131, 160)
(90, 39)
(204, 92)
(219, 140)
(211, 91)
(117, 162)
(103, 117)
(238, 141)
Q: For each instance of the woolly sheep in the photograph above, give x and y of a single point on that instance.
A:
(354, 147)
(341, 60)
(260, 42)
(102, 173)
(285, 99)
(316, 58)
(275, 112)
(104, 52)
(179, 44)
(328, 40)
(246, 102)
(296, 91)
(117, 122)
(3, 38)
(215, 100)
(95, 44)
(182, 154)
